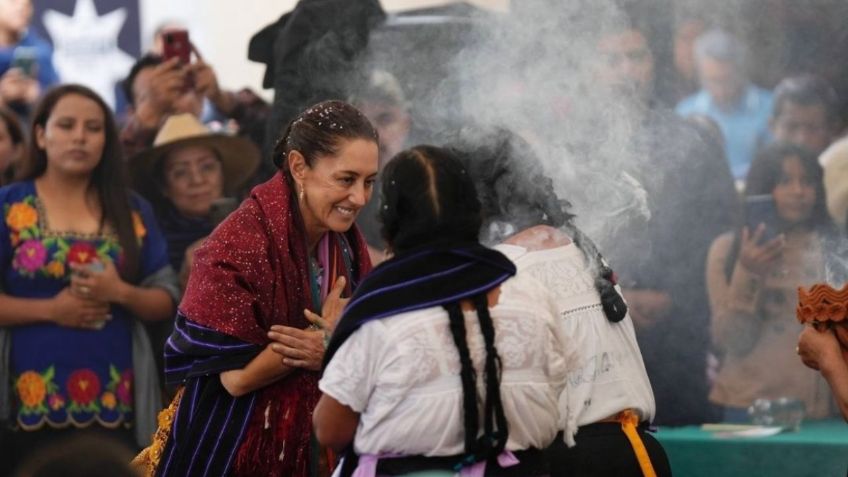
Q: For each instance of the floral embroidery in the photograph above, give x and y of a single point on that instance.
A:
(22, 215)
(33, 388)
(55, 269)
(49, 254)
(22, 219)
(56, 402)
(30, 257)
(85, 400)
(82, 253)
(83, 388)
(120, 386)
(124, 389)
(138, 226)
(108, 400)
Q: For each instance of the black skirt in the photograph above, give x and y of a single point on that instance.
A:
(603, 450)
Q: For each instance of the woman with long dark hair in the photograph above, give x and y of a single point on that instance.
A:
(418, 348)
(242, 345)
(607, 403)
(752, 277)
(83, 263)
(12, 145)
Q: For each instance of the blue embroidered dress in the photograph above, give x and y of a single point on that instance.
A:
(66, 376)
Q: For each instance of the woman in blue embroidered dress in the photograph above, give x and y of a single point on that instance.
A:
(82, 261)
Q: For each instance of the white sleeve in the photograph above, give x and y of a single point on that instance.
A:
(351, 376)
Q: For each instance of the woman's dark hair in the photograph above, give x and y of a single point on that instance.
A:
(319, 131)
(108, 178)
(16, 135)
(765, 174)
(427, 197)
(517, 194)
(16, 132)
(149, 60)
(512, 185)
(767, 170)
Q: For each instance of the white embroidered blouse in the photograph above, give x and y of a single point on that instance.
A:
(606, 373)
(402, 375)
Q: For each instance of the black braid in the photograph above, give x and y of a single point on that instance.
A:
(613, 304)
(494, 440)
(468, 376)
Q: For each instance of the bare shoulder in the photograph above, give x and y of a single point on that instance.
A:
(722, 244)
(539, 237)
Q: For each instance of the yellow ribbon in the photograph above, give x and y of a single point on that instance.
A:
(629, 421)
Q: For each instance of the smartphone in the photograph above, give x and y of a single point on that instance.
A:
(221, 208)
(25, 59)
(175, 44)
(96, 266)
(760, 209)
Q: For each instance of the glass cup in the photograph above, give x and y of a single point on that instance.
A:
(785, 412)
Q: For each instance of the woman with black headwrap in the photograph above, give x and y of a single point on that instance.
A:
(418, 349)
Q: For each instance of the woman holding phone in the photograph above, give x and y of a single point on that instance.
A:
(752, 282)
(83, 263)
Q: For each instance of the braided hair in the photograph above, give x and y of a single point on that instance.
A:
(517, 194)
(429, 199)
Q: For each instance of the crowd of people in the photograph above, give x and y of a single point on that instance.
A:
(350, 302)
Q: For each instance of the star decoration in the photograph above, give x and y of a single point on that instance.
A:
(86, 47)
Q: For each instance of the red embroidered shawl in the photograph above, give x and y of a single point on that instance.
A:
(252, 272)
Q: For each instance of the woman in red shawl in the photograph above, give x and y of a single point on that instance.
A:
(247, 406)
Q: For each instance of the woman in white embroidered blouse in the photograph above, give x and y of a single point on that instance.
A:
(402, 375)
(608, 401)
(398, 380)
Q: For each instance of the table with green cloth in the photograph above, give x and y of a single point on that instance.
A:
(819, 449)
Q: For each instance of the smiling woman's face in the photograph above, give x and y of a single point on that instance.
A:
(335, 187)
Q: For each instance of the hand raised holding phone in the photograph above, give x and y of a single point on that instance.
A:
(157, 93)
(756, 255)
(175, 44)
(17, 87)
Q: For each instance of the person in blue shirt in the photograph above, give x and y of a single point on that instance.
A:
(741, 109)
(26, 59)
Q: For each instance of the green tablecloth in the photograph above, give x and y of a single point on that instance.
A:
(819, 449)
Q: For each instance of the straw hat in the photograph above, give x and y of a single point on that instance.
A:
(835, 162)
(239, 156)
